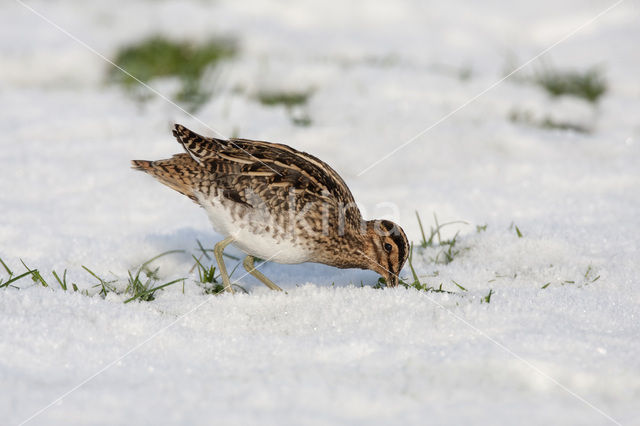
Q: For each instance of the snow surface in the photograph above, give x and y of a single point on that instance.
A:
(328, 354)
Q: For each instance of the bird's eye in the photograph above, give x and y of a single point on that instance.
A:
(387, 247)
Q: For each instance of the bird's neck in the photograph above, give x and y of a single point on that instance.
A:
(353, 249)
(357, 249)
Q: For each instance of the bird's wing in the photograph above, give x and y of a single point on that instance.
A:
(271, 170)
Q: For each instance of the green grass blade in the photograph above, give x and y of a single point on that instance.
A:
(203, 250)
(459, 286)
(518, 232)
(63, 283)
(230, 256)
(234, 269)
(35, 275)
(159, 256)
(424, 238)
(92, 273)
(437, 230)
(6, 268)
(14, 279)
(416, 280)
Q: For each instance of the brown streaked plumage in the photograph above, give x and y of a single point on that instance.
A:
(279, 204)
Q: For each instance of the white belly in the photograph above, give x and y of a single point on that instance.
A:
(248, 237)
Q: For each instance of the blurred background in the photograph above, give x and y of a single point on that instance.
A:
(348, 82)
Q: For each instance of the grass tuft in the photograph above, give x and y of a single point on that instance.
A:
(288, 99)
(447, 247)
(105, 286)
(547, 123)
(12, 279)
(588, 278)
(416, 283)
(448, 252)
(293, 101)
(35, 275)
(158, 56)
(553, 124)
(589, 85)
(434, 232)
(145, 292)
(208, 278)
(63, 281)
(487, 298)
(207, 275)
(144, 289)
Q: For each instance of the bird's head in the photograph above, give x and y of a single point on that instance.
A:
(387, 249)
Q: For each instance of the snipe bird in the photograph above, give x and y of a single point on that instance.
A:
(276, 203)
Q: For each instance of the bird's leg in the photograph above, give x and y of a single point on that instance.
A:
(217, 251)
(248, 265)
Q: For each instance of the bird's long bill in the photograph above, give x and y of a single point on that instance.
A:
(392, 280)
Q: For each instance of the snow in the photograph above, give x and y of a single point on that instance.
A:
(331, 350)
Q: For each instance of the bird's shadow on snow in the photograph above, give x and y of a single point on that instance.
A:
(186, 238)
(286, 276)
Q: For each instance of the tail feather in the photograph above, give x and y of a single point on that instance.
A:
(180, 173)
(198, 147)
(142, 165)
